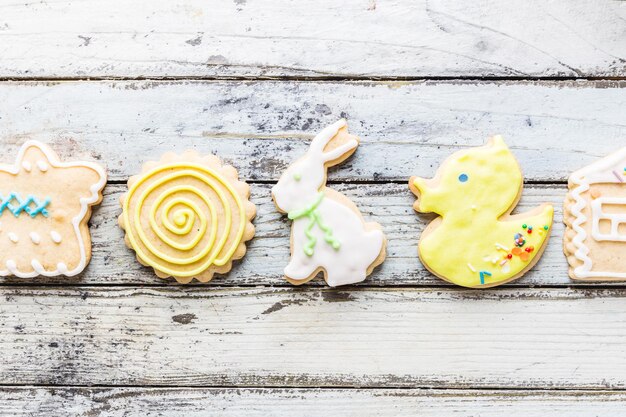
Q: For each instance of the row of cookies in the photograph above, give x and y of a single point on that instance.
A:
(189, 216)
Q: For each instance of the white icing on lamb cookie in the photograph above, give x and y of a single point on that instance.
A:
(27, 166)
(35, 238)
(62, 268)
(11, 266)
(37, 266)
(56, 237)
(42, 165)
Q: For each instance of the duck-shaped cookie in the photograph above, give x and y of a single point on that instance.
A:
(476, 242)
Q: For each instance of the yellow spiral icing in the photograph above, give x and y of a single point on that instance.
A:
(172, 217)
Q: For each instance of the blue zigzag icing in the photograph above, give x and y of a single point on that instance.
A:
(23, 205)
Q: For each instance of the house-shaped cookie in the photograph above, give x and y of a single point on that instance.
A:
(595, 219)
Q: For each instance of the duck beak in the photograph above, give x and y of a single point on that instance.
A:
(419, 187)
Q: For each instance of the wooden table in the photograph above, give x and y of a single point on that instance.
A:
(252, 81)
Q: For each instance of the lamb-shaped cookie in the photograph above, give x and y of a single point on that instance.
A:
(328, 234)
(45, 205)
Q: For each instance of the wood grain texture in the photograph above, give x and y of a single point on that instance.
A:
(557, 338)
(118, 341)
(355, 38)
(261, 127)
(268, 253)
(271, 402)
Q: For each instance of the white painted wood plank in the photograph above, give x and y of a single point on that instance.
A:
(398, 38)
(273, 402)
(272, 337)
(261, 127)
(268, 253)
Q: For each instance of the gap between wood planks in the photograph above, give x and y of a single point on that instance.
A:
(312, 79)
(448, 389)
(364, 182)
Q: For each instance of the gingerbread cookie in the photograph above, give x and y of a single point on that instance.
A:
(595, 219)
(187, 216)
(476, 242)
(328, 234)
(45, 205)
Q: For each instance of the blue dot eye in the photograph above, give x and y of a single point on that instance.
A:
(463, 177)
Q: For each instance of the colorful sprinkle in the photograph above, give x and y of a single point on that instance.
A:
(524, 226)
(482, 276)
(510, 255)
(471, 268)
(546, 227)
(524, 256)
(504, 262)
(502, 247)
(618, 176)
(516, 251)
(463, 177)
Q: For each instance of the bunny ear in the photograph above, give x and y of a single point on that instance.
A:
(321, 140)
(341, 152)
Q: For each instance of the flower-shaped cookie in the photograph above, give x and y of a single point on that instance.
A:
(45, 205)
(187, 216)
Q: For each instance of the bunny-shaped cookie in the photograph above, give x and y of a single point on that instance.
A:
(328, 234)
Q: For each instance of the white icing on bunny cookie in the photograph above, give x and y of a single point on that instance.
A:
(328, 233)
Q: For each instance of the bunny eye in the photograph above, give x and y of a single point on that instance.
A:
(297, 177)
(463, 177)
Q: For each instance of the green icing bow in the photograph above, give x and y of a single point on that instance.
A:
(315, 218)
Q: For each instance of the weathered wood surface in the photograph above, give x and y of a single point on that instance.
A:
(268, 253)
(260, 127)
(356, 38)
(271, 402)
(401, 343)
(554, 338)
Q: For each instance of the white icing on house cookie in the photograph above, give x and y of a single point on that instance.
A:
(595, 216)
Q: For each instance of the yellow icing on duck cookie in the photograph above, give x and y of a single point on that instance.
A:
(476, 242)
(187, 217)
